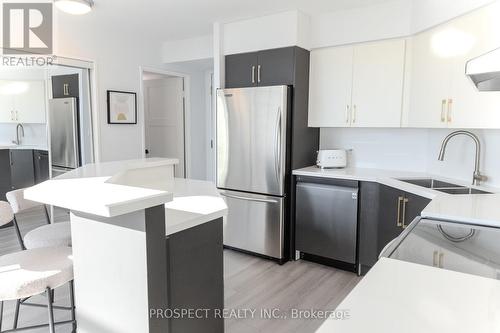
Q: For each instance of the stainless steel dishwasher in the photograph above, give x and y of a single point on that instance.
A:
(326, 217)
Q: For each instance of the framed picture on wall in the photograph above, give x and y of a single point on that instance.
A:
(122, 107)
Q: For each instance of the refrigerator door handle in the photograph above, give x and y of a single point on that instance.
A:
(248, 198)
(277, 147)
(75, 139)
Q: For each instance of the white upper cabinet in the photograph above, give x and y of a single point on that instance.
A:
(377, 89)
(358, 86)
(22, 102)
(416, 82)
(429, 84)
(330, 87)
(441, 95)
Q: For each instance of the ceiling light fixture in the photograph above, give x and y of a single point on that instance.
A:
(75, 7)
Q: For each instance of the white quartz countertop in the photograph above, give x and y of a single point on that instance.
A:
(4, 145)
(195, 202)
(397, 296)
(109, 189)
(481, 209)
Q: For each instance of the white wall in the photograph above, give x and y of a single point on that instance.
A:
(118, 55)
(381, 21)
(267, 32)
(428, 13)
(416, 150)
(187, 49)
(392, 19)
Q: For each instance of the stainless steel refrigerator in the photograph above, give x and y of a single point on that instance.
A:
(251, 166)
(64, 135)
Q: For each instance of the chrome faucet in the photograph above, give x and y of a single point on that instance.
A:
(18, 139)
(477, 178)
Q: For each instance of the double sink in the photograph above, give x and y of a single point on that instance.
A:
(444, 186)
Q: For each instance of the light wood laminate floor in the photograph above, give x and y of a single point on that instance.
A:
(251, 283)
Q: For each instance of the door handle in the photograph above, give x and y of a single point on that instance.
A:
(277, 147)
(247, 198)
(405, 201)
(398, 222)
(253, 74)
(450, 105)
(443, 110)
(258, 73)
(347, 109)
(354, 109)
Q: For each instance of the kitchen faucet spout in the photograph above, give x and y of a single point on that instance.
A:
(477, 177)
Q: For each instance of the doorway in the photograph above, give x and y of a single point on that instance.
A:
(164, 96)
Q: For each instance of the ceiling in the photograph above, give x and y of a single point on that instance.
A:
(179, 19)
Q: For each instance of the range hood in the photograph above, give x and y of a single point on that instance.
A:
(484, 71)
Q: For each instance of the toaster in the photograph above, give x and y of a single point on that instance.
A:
(331, 158)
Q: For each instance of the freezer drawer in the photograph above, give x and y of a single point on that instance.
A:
(326, 221)
(254, 223)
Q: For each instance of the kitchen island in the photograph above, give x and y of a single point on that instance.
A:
(143, 242)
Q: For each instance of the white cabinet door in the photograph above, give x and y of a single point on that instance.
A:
(6, 103)
(30, 105)
(471, 108)
(378, 75)
(430, 83)
(330, 87)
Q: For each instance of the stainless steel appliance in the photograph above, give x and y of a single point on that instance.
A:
(327, 219)
(64, 135)
(251, 166)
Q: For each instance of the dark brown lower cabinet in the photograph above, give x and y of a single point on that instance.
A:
(195, 277)
(384, 213)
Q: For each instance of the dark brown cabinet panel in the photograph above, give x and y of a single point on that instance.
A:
(384, 213)
(5, 185)
(276, 67)
(20, 168)
(65, 86)
(41, 165)
(414, 205)
(22, 172)
(241, 70)
(195, 276)
(263, 68)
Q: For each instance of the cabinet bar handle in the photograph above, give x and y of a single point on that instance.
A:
(398, 222)
(440, 262)
(443, 110)
(405, 201)
(258, 73)
(435, 259)
(347, 109)
(354, 109)
(450, 105)
(253, 74)
(66, 89)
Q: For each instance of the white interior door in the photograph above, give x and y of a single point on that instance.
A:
(377, 93)
(164, 106)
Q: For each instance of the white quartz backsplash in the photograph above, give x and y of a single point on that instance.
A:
(34, 134)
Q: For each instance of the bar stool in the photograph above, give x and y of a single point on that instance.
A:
(52, 234)
(33, 272)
